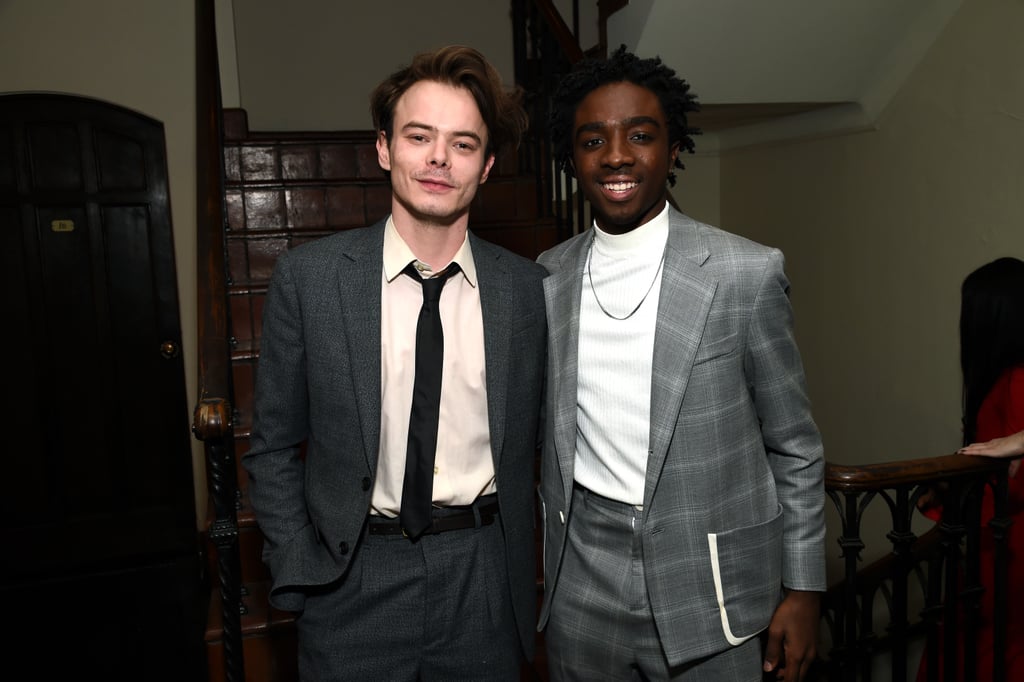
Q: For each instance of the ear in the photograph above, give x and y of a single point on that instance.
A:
(383, 153)
(572, 166)
(673, 154)
(487, 169)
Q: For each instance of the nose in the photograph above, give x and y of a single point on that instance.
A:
(439, 154)
(617, 152)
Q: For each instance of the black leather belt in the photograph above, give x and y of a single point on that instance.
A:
(481, 513)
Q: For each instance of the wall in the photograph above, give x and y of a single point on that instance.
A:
(698, 186)
(311, 64)
(140, 55)
(881, 227)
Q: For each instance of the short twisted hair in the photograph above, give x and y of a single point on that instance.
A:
(673, 93)
(460, 67)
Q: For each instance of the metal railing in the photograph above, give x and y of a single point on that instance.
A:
(872, 610)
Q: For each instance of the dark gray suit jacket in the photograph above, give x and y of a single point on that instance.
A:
(318, 381)
(734, 495)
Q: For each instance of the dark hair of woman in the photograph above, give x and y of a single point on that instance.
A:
(991, 332)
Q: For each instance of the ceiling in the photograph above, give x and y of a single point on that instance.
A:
(771, 64)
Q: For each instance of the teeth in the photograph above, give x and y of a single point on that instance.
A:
(620, 186)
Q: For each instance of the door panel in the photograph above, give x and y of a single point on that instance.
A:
(103, 459)
(101, 565)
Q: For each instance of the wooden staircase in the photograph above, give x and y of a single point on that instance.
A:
(262, 193)
(280, 190)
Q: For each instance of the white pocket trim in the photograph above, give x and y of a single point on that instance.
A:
(720, 593)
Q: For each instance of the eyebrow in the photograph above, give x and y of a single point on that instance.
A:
(596, 126)
(416, 125)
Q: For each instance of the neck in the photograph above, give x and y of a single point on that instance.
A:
(647, 235)
(434, 242)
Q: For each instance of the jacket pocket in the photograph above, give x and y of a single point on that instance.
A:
(746, 564)
(713, 349)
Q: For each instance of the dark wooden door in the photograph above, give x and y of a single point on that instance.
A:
(97, 505)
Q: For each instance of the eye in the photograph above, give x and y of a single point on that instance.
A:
(417, 138)
(591, 143)
(641, 136)
(465, 146)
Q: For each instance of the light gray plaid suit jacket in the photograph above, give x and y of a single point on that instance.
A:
(734, 498)
(318, 381)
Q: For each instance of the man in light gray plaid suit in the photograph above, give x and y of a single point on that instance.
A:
(681, 482)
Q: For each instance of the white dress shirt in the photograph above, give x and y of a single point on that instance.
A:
(463, 466)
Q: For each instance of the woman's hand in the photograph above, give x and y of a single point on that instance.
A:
(1007, 446)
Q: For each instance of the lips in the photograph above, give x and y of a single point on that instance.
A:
(435, 183)
(618, 190)
(619, 186)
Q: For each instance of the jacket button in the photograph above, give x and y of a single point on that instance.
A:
(366, 483)
(343, 548)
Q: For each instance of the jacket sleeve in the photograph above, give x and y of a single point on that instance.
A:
(792, 442)
(280, 418)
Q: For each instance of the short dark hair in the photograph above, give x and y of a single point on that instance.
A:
(589, 74)
(460, 67)
(991, 332)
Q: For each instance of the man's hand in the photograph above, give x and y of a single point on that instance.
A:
(793, 636)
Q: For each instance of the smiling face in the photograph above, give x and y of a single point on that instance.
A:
(622, 156)
(436, 154)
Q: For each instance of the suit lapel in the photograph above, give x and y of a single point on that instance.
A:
(562, 292)
(683, 306)
(496, 306)
(360, 270)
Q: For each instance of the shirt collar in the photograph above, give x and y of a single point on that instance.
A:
(397, 255)
(650, 236)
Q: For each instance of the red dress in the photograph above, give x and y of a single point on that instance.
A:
(1002, 414)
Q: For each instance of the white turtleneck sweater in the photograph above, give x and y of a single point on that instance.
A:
(613, 397)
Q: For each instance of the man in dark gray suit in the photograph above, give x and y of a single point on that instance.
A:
(382, 597)
(681, 480)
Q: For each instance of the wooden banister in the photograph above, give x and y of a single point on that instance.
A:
(212, 416)
(865, 477)
(211, 285)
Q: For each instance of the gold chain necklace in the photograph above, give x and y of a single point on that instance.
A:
(590, 277)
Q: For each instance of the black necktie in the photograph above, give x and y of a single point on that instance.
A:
(418, 486)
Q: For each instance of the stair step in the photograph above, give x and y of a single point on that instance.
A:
(268, 638)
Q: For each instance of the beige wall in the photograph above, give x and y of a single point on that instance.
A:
(879, 229)
(698, 186)
(311, 64)
(139, 54)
